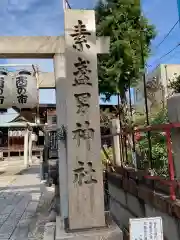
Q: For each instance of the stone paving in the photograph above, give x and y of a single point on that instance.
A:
(8, 171)
(19, 202)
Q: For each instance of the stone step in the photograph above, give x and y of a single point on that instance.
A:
(110, 232)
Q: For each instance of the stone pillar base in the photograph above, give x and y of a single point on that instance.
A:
(111, 232)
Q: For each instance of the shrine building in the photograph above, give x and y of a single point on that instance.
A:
(12, 132)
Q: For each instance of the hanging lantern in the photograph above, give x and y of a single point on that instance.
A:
(10, 133)
(15, 133)
(41, 133)
(6, 100)
(25, 90)
(19, 133)
(23, 133)
(34, 137)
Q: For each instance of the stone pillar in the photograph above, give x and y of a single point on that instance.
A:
(59, 71)
(84, 168)
(115, 128)
(173, 105)
(26, 137)
(30, 147)
(44, 162)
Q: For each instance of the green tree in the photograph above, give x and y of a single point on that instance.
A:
(158, 140)
(105, 118)
(122, 21)
(174, 84)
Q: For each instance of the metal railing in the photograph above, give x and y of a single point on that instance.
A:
(152, 172)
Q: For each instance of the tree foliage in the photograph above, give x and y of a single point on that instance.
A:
(174, 85)
(158, 141)
(105, 118)
(120, 19)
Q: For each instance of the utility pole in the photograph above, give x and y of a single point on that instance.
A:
(133, 137)
(145, 94)
(144, 84)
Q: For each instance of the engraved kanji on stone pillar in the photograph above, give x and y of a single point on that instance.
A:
(85, 180)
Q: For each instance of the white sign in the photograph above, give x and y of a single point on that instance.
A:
(146, 228)
(25, 90)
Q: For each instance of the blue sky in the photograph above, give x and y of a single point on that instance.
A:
(37, 17)
(163, 14)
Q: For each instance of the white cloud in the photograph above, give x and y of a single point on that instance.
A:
(20, 5)
(31, 17)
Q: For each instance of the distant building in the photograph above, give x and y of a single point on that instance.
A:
(157, 86)
(12, 132)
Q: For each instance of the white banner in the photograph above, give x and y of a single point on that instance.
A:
(6, 98)
(25, 90)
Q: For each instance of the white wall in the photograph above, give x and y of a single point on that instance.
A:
(167, 73)
(139, 102)
(162, 74)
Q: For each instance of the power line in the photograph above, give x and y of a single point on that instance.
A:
(172, 50)
(166, 54)
(167, 35)
(173, 55)
(170, 57)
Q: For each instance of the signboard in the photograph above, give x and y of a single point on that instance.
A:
(53, 144)
(146, 228)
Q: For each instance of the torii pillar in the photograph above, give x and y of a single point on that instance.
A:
(67, 115)
(26, 148)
